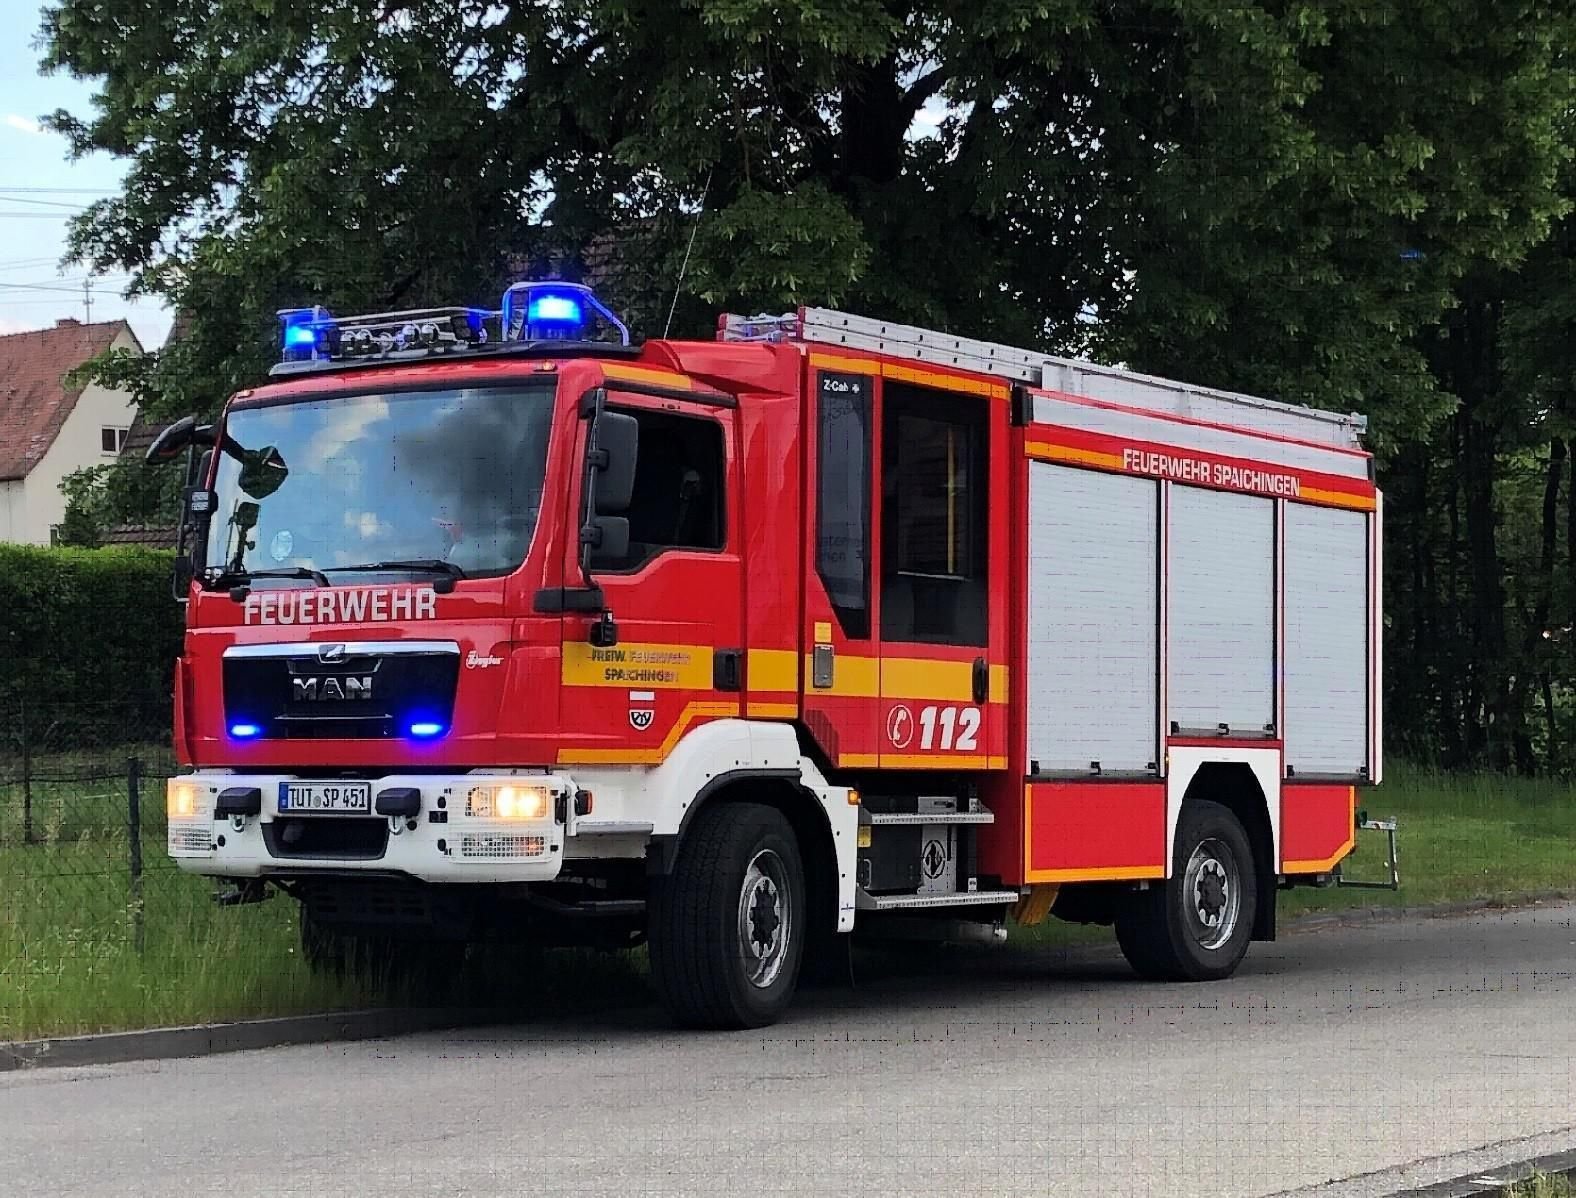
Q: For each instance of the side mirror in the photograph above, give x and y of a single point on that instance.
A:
(615, 438)
(606, 538)
(169, 444)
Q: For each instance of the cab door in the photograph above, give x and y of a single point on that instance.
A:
(675, 595)
(942, 571)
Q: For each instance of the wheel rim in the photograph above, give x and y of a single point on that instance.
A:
(1212, 893)
(765, 919)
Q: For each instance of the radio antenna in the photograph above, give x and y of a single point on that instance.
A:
(684, 266)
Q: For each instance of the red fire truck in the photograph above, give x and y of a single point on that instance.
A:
(499, 625)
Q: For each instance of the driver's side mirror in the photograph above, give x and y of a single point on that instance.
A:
(611, 462)
(615, 439)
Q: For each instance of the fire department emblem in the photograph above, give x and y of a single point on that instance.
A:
(642, 709)
(900, 726)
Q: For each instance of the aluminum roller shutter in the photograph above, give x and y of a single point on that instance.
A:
(1093, 619)
(1326, 640)
(1221, 625)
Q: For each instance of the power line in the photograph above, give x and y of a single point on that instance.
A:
(9, 198)
(34, 215)
(60, 191)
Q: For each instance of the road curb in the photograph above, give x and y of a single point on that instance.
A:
(115, 1048)
(1358, 917)
(1493, 1181)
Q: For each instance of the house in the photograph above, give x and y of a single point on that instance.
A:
(48, 429)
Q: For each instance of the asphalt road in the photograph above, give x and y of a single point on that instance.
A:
(1339, 1061)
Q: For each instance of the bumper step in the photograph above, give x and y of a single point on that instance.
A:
(908, 819)
(866, 901)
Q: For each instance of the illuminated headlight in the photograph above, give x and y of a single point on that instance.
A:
(184, 800)
(509, 802)
(190, 823)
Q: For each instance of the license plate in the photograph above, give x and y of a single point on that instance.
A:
(329, 798)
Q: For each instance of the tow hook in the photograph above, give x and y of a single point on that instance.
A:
(248, 891)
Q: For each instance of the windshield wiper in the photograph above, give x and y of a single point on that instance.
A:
(243, 577)
(426, 565)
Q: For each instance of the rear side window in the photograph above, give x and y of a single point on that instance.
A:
(842, 534)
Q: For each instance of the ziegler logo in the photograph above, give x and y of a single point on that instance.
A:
(331, 689)
(481, 661)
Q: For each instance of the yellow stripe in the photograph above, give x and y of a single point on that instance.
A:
(948, 761)
(856, 761)
(1362, 503)
(852, 677)
(639, 666)
(947, 382)
(645, 374)
(773, 670)
(1110, 873)
(773, 711)
(1062, 453)
(855, 365)
(688, 716)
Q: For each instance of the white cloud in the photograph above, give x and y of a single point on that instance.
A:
(25, 123)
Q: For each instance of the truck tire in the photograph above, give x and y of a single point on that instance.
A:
(1195, 926)
(727, 926)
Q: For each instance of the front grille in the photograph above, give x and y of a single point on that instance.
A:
(339, 838)
(483, 847)
(294, 692)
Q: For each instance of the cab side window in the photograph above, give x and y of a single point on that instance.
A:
(678, 500)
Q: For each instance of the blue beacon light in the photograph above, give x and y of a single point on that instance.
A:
(245, 731)
(555, 308)
(426, 729)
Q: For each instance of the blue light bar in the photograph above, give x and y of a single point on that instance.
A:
(245, 731)
(300, 336)
(426, 729)
(555, 308)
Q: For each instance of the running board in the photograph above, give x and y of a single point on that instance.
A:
(909, 819)
(866, 901)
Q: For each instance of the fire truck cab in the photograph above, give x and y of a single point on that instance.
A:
(501, 626)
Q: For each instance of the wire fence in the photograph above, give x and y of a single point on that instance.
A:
(82, 821)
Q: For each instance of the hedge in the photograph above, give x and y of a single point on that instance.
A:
(88, 641)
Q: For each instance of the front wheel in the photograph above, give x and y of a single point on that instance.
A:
(1195, 926)
(727, 926)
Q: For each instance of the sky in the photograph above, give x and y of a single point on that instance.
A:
(40, 188)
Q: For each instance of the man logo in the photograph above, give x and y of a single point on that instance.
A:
(332, 689)
(640, 718)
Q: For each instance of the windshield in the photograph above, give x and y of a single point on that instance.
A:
(450, 476)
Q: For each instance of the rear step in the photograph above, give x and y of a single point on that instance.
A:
(865, 901)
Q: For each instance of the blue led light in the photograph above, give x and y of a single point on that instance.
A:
(245, 731)
(551, 308)
(426, 729)
(300, 336)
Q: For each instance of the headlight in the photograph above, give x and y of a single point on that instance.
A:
(508, 802)
(181, 800)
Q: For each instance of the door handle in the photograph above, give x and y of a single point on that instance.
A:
(981, 680)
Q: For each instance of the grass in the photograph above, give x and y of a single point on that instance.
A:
(1542, 1185)
(69, 959)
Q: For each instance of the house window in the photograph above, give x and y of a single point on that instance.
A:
(112, 440)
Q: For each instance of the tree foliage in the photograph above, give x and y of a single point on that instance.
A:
(1347, 203)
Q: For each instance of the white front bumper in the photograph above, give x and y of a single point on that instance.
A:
(446, 844)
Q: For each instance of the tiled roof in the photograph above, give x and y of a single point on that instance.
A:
(151, 535)
(34, 400)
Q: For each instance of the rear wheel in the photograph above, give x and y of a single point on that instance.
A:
(1195, 927)
(727, 926)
